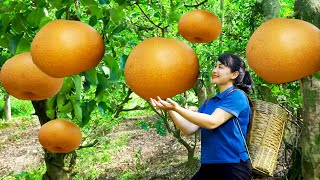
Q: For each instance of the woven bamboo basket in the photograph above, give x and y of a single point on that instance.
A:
(265, 137)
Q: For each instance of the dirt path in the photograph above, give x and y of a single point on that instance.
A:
(162, 156)
(158, 156)
(19, 147)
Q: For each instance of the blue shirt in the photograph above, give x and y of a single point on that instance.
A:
(225, 143)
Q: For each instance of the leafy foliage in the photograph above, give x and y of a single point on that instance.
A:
(100, 94)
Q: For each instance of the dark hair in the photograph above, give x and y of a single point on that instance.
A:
(235, 63)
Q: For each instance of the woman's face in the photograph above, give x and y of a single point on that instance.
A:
(222, 75)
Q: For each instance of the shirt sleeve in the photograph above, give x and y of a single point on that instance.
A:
(201, 108)
(234, 103)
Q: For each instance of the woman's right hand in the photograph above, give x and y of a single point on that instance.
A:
(167, 105)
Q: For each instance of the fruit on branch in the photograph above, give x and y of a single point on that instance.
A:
(199, 26)
(161, 67)
(24, 80)
(283, 50)
(66, 47)
(60, 136)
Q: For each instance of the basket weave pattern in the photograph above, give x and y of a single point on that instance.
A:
(265, 136)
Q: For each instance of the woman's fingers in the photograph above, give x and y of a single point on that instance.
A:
(158, 104)
(171, 101)
(152, 102)
(166, 104)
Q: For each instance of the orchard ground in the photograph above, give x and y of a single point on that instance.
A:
(134, 153)
(128, 152)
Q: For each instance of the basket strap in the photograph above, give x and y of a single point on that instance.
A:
(237, 120)
(244, 140)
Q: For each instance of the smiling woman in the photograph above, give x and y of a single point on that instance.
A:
(223, 149)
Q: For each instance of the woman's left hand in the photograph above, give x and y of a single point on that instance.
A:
(167, 105)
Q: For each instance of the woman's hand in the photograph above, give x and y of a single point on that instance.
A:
(167, 105)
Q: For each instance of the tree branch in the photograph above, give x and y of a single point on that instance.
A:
(89, 145)
(196, 5)
(147, 16)
(162, 28)
(125, 100)
(135, 108)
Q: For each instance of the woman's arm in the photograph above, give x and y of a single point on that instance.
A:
(207, 121)
(212, 121)
(185, 126)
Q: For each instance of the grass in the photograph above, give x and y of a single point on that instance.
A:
(35, 174)
(89, 159)
(20, 110)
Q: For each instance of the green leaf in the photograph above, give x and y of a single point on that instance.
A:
(87, 109)
(102, 81)
(109, 59)
(19, 24)
(275, 90)
(35, 17)
(102, 107)
(2, 60)
(119, 28)
(93, 6)
(88, 2)
(13, 44)
(68, 2)
(22, 174)
(96, 11)
(68, 107)
(174, 17)
(120, 2)
(23, 45)
(60, 12)
(93, 20)
(4, 21)
(77, 112)
(56, 4)
(91, 76)
(44, 21)
(102, 84)
(144, 126)
(115, 72)
(78, 85)
(116, 14)
(123, 60)
(104, 1)
(4, 42)
(20, 7)
(6, 8)
(67, 85)
(51, 102)
(50, 113)
(160, 128)
(61, 100)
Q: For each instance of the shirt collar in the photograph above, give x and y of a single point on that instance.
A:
(224, 93)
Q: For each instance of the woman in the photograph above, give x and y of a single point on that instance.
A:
(223, 149)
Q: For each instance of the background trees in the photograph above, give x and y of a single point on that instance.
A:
(123, 24)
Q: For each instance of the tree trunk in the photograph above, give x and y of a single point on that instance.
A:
(309, 10)
(310, 137)
(200, 91)
(271, 9)
(54, 161)
(55, 164)
(7, 107)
